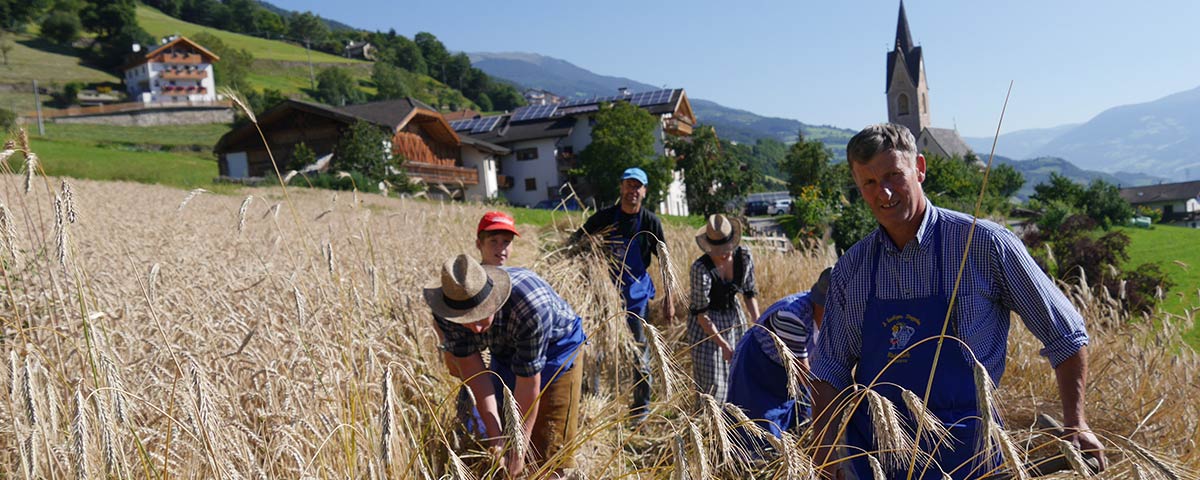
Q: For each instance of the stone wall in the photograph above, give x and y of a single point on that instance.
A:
(154, 117)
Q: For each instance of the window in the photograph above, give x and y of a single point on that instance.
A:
(530, 184)
(527, 154)
(902, 104)
(924, 103)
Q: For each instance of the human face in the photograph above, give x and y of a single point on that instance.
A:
(632, 193)
(890, 183)
(494, 248)
(721, 253)
(481, 325)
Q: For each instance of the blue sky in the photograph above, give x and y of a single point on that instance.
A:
(823, 62)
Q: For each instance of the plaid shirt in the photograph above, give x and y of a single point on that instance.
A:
(533, 318)
(999, 277)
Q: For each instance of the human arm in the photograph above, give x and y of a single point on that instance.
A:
(1071, 375)
(526, 394)
(825, 430)
(479, 381)
(749, 287)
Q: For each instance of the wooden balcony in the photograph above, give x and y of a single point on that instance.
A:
(676, 127)
(180, 58)
(183, 75)
(450, 175)
(504, 182)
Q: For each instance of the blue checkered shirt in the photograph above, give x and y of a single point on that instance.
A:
(533, 318)
(999, 277)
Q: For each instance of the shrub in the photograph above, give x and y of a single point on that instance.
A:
(61, 27)
(8, 120)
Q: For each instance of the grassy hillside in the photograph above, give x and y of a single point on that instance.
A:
(178, 156)
(285, 66)
(1173, 248)
(160, 25)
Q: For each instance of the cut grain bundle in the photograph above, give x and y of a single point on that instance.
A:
(514, 425)
(242, 213)
(8, 228)
(933, 432)
(79, 438)
(894, 443)
(192, 194)
(718, 428)
(387, 421)
(701, 453)
(669, 378)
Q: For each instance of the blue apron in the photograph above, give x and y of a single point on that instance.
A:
(636, 287)
(889, 327)
(758, 385)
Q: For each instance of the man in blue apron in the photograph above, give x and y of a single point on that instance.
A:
(534, 340)
(892, 290)
(758, 382)
(632, 234)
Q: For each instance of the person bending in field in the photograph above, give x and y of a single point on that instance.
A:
(534, 339)
(493, 237)
(758, 382)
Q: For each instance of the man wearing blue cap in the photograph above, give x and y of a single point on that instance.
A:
(633, 233)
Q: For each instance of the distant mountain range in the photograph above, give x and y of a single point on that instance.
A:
(1159, 138)
(531, 70)
(1155, 137)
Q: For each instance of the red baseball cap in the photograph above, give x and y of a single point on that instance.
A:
(497, 222)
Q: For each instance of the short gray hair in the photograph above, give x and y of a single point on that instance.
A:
(880, 138)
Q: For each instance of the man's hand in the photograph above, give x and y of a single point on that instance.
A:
(727, 352)
(668, 311)
(1071, 375)
(1089, 444)
(515, 464)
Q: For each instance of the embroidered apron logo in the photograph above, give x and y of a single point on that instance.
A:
(902, 328)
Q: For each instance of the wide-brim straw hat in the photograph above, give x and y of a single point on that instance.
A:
(719, 232)
(468, 292)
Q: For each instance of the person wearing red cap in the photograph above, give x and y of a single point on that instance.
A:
(494, 238)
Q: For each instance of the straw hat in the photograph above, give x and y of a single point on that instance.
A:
(468, 292)
(719, 231)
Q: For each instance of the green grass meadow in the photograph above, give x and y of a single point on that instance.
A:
(1177, 251)
(178, 156)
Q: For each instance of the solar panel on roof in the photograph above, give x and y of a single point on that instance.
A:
(656, 97)
(459, 125)
(534, 112)
(485, 125)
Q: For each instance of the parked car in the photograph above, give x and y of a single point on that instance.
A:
(756, 208)
(570, 204)
(780, 207)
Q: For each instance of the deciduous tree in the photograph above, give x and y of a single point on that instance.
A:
(623, 137)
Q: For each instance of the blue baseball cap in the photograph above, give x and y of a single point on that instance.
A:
(636, 174)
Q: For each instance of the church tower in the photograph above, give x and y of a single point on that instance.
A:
(907, 93)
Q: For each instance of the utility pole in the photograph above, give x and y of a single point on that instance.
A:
(37, 102)
(312, 80)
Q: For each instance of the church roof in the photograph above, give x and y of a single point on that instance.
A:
(904, 48)
(904, 40)
(949, 140)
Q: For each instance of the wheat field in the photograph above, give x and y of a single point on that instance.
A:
(150, 332)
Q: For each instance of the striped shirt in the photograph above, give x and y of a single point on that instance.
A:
(999, 277)
(533, 318)
(791, 319)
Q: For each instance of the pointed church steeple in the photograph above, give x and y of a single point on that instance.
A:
(906, 91)
(904, 41)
